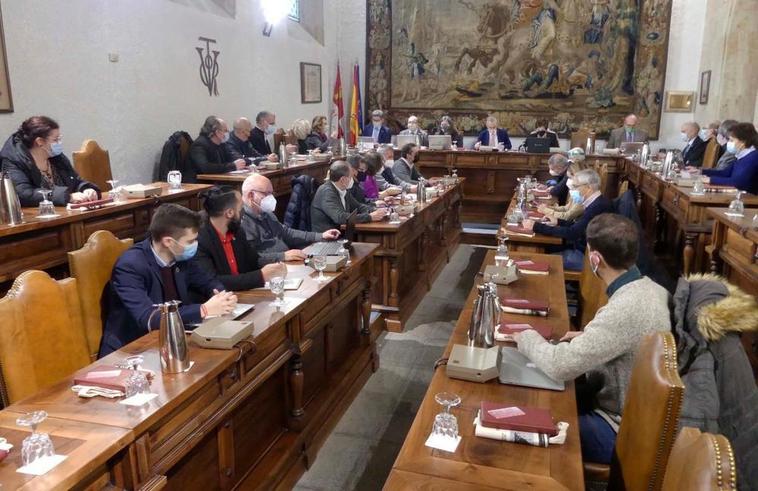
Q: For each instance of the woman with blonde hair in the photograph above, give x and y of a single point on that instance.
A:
(572, 210)
(300, 130)
(318, 140)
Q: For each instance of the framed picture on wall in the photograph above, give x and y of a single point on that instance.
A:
(310, 83)
(678, 101)
(6, 101)
(705, 86)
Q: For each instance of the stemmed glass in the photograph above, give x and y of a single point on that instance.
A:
(46, 207)
(276, 285)
(36, 445)
(136, 382)
(116, 191)
(737, 207)
(319, 263)
(445, 424)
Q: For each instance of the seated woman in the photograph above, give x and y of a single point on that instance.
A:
(571, 210)
(358, 165)
(318, 140)
(374, 186)
(33, 157)
(742, 172)
(446, 126)
(300, 130)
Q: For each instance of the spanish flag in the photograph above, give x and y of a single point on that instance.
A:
(356, 116)
(338, 111)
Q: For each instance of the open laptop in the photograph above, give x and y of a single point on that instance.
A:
(535, 144)
(517, 369)
(630, 148)
(402, 140)
(440, 142)
(332, 247)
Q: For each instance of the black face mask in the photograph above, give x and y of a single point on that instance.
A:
(361, 176)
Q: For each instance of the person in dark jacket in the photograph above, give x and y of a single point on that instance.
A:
(171, 156)
(377, 130)
(586, 191)
(33, 158)
(264, 127)
(492, 136)
(694, 148)
(404, 169)
(298, 213)
(447, 127)
(558, 166)
(159, 269)
(333, 203)
(542, 130)
(387, 176)
(222, 249)
(239, 146)
(207, 155)
(742, 172)
(318, 140)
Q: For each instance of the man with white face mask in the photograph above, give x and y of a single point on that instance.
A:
(694, 148)
(722, 136)
(273, 240)
(387, 177)
(415, 130)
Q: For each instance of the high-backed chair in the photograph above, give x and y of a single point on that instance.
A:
(93, 164)
(579, 138)
(41, 334)
(602, 170)
(711, 155)
(649, 424)
(91, 266)
(591, 294)
(700, 461)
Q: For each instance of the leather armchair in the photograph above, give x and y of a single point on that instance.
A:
(700, 461)
(93, 164)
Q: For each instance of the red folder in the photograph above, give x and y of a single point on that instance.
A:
(525, 306)
(535, 215)
(534, 420)
(510, 328)
(117, 381)
(515, 229)
(528, 266)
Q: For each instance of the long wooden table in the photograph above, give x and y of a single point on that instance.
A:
(676, 219)
(252, 417)
(480, 463)
(539, 243)
(411, 254)
(491, 176)
(44, 243)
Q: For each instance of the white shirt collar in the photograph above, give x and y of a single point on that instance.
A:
(159, 260)
(343, 192)
(592, 197)
(745, 151)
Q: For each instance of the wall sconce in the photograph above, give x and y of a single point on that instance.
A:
(274, 11)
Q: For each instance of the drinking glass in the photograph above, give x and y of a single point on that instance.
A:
(344, 252)
(445, 423)
(501, 254)
(116, 191)
(276, 285)
(394, 216)
(737, 207)
(136, 382)
(698, 187)
(319, 263)
(175, 179)
(755, 221)
(35, 445)
(46, 207)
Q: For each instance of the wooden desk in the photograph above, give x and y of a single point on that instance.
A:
(44, 243)
(491, 177)
(88, 447)
(480, 463)
(519, 243)
(252, 417)
(669, 211)
(411, 254)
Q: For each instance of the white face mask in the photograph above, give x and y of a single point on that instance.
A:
(554, 173)
(268, 204)
(685, 138)
(389, 163)
(350, 184)
(704, 134)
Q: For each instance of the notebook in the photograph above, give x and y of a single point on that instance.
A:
(516, 230)
(506, 329)
(517, 369)
(527, 266)
(505, 416)
(107, 377)
(524, 306)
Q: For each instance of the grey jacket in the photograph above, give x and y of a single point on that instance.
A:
(423, 136)
(405, 172)
(724, 161)
(270, 238)
(618, 136)
(327, 211)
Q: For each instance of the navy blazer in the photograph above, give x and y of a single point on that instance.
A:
(385, 136)
(259, 142)
(502, 137)
(136, 286)
(695, 153)
(560, 191)
(740, 173)
(574, 234)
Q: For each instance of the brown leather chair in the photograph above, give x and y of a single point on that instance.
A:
(93, 164)
(579, 138)
(602, 170)
(591, 294)
(711, 155)
(649, 424)
(91, 266)
(700, 462)
(42, 337)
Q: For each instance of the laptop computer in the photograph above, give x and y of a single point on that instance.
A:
(402, 140)
(440, 142)
(535, 144)
(332, 248)
(630, 148)
(517, 369)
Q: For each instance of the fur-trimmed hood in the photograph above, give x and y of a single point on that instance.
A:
(737, 311)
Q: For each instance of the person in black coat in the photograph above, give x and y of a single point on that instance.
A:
(33, 158)
(207, 154)
(264, 126)
(239, 146)
(447, 127)
(558, 166)
(222, 248)
(694, 150)
(542, 130)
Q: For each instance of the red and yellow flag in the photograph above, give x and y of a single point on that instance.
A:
(356, 116)
(338, 111)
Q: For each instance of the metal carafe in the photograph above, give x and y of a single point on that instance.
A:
(421, 191)
(172, 340)
(481, 332)
(10, 206)
(282, 155)
(342, 147)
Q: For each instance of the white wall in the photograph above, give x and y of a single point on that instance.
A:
(58, 63)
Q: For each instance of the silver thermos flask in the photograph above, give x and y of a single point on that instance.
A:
(282, 155)
(172, 340)
(421, 191)
(10, 206)
(481, 332)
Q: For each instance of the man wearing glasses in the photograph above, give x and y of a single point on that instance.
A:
(273, 240)
(239, 146)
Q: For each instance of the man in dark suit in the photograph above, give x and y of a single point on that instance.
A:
(207, 154)
(629, 133)
(542, 130)
(694, 148)
(492, 136)
(574, 234)
(263, 129)
(239, 146)
(159, 269)
(332, 204)
(222, 248)
(377, 130)
(558, 166)
(405, 172)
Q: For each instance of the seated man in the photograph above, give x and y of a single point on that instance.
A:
(558, 166)
(273, 240)
(694, 148)
(332, 204)
(263, 131)
(413, 130)
(586, 192)
(404, 170)
(157, 270)
(386, 177)
(542, 130)
(239, 146)
(222, 248)
(492, 136)
(207, 154)
(629, 133)
(606, 349)
(377, 130)
(446, 126)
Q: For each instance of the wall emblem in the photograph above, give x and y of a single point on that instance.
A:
(208, 65)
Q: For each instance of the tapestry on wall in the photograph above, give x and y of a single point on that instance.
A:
(578, 63)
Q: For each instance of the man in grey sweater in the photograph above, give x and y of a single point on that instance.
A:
(605, 350)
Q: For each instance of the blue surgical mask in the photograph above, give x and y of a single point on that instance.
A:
(704, 134)
(731, 147)
(188, 253)
(271, 129)
(576, 196)
(56, 148)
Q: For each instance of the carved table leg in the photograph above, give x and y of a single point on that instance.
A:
(394, 280)
(660, 228)
(422, 251)
(296, 384)
(689, 252)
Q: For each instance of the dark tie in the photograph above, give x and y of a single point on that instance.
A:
(169, 284)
